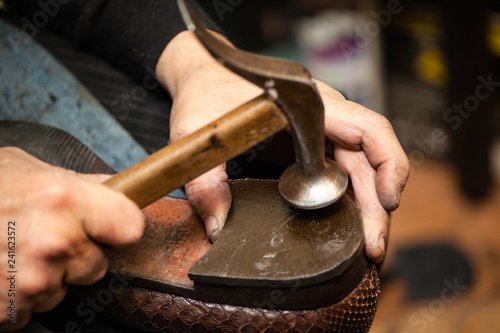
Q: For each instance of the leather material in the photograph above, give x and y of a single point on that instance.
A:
(158, 311)
(159, 296)
(174, 239)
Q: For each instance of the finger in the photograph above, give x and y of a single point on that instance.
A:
(358, 128)
(375, 217)
(88, 265)
(41, 285)
(50, 299)
(108, 216)
(69, 249)
(386, 155)
(210, 196)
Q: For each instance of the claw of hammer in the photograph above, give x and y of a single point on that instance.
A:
(313, 182)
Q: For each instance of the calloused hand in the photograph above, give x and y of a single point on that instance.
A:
(365, 144)
(58, 220)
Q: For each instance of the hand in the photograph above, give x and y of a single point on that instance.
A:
(367, 148)
(366, 145)
(61, 218)
(202, 90)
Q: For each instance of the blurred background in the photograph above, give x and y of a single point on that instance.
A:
(432, 68)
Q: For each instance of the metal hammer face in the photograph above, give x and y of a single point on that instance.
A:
(313, 181)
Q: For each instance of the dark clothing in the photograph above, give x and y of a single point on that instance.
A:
(130, 34)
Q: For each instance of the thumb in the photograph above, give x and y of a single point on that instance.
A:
(109, 217)
(210, 196)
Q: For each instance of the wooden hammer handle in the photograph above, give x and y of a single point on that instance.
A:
(176, 164)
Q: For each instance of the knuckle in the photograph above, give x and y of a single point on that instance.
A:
(85, 272)
(382, 122)
(56, 246)
(209, 200)
(99, 272)
(194, 193)
(87, 268)
(196, 189)
(36, 286)
(207, 182)
(59, 194)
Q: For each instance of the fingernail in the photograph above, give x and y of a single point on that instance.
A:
(213, 235)
(381, 246)
(211, 224)
(397, 198)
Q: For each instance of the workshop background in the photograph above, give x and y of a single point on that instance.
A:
(431, 67)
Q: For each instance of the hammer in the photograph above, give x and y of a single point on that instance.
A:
(290, 99)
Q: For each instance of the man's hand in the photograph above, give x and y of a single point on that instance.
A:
(365, 144)
(367, 148)
(202, 90)
(61, 218)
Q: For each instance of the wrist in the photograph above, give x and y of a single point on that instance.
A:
(184, 59)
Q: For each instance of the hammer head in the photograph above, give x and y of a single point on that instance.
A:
(312, 182)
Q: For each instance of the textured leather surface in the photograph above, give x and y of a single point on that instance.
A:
(175, 238)
(158, 311)
(162, 298)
